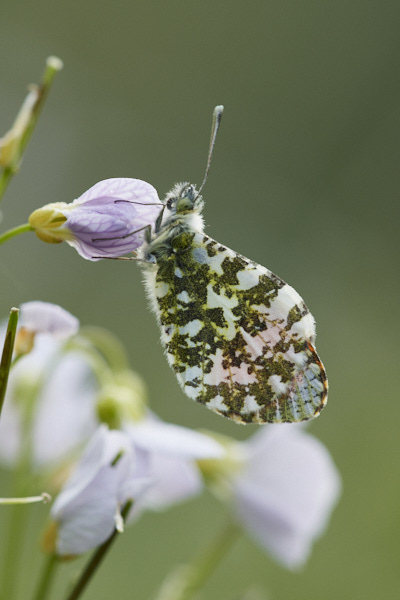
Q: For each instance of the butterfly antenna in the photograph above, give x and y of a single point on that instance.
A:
(217, 116)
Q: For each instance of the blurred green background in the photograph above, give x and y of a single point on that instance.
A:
(305, 180)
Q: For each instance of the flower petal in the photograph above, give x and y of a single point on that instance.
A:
(157, 436)
(86, 509)
(107, 221)
(286, 491)
(44, 317)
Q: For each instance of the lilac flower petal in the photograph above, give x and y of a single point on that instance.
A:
(10, 433)
(272, 531)
(157, 436)
(87, 522)
(286, 491)
(65, 416)
(85, 510)
(121, 188)
(44, 317)
(173, 480)
(64, 413)
(172, 452)
(101, 451)
(109, 219)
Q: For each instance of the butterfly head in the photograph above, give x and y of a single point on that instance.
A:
(182, 208)
(184, 199)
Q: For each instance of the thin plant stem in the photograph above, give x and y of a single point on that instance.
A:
(53, 66)
(6, 357)
(46, 579)
(18, 520)
(189, 579)
(27, 499)
(8, 235)
(96, 560)
(5, 179)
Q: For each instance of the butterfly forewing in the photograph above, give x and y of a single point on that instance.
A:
(239, 339)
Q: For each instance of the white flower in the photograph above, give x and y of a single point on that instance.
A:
(283, 490)
(156, 468)
(44, 317)
(49, 407)
(172, 452)
(88, 508)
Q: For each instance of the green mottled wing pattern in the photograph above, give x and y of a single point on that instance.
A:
(240, 340)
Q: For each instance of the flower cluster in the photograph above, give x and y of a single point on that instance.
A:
(281, 485)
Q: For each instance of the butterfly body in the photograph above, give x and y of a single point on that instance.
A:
(239, 339)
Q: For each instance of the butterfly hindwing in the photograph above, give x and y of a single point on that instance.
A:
(240, 340)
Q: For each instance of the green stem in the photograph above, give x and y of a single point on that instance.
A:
(96, 560)
(46, 578)
(6, 358)
(53, 65)
(27, 499)
(17, 525)
(189, 579)
(7, 235)
(5, 179)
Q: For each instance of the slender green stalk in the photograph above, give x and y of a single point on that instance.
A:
(46, 578)
(189, 579)
(27, 499)
(53, 65)
(5, 179)
(6, 358)
(7, 235)
(96, 560)
(17, 525)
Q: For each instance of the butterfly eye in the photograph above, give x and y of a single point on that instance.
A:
(169, 203)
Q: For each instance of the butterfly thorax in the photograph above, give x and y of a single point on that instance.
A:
(178, 220)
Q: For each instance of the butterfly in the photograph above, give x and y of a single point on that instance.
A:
(240, 340)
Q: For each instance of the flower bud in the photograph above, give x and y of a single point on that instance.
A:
(47, 223)
(122, 400)
(10, 143)
(107, 221)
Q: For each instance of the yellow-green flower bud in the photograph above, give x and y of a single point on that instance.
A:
(47, 223)
(122, 400)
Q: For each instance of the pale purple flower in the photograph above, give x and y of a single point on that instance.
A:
(87, 510)
(107, 221)
(283, 490)
(44, 317)
(156, 469)
(172, 453)
(55, 388)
